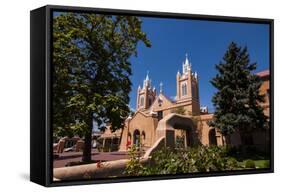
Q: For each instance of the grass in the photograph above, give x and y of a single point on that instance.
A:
(262, 163)
(258, 164)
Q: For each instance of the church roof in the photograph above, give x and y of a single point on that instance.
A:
(264, 73)
(161, 97)
(168, 98)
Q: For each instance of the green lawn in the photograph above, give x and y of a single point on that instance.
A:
(258, 163)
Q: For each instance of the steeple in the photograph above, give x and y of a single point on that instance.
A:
(161, 87)
(186, 66)
(187, 86)
(145, 95)
(147, 78)
(147, 81)
(195, 75)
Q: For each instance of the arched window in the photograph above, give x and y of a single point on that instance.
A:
(141, 101)
(184, 89)
(149, 101)
(160, 115)
(212, 137)
(194, 92)
(136, 137)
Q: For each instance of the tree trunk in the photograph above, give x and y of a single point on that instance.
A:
(87, 146)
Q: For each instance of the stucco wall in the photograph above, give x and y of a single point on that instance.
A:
(204, 129)
(143, 123)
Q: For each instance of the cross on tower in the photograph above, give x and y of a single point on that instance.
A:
(161, 87)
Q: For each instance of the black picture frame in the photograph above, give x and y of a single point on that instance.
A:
(41, 92)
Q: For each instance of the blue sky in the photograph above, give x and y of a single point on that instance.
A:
(205, 42)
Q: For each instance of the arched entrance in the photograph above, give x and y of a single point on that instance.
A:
(212, 137)
(174, 125)
(183, 137)
(136, 137)
(188, 137)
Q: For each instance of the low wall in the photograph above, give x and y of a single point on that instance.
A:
(91, 171)
(157, 145)
(104, 169)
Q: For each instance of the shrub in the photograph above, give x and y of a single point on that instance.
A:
(250, 163)
(232, 151)
(232, 163)
(167, 161)
(179, 110)
(134, 166)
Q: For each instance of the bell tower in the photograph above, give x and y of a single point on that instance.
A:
(145, 94)
(187, 87)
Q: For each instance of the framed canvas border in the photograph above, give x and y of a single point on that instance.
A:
(41, 150)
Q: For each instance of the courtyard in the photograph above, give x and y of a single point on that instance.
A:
(67, 158)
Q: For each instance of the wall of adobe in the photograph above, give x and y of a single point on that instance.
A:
(145, 124)
(204, 129)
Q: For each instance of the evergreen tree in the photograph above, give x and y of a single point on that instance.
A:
(91, 72)
(237, 101)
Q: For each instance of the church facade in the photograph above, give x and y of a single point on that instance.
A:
(182, 116)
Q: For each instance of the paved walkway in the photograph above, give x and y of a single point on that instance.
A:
(66, 157)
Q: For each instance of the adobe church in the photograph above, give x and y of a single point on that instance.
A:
(180, 121)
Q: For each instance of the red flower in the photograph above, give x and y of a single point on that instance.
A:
(99, 164)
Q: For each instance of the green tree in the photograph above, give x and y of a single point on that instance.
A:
(91, 72)
(179, 110)
(237, 99)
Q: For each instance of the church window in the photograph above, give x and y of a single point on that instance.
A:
(149, 101)
(136, 138)
(194, 90)
(212, 137)
(184, 89)
(141, 101)
(160, 115)
(185, 69)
